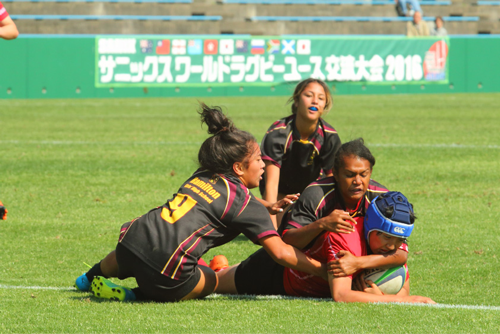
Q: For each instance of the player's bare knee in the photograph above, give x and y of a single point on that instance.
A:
(211, 281)
(226, 281)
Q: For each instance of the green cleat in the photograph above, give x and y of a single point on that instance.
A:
(104, 288)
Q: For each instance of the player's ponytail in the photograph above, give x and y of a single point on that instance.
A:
(227, 144)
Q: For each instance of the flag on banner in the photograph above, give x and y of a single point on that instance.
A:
(273, 46)
(163, 47)
(241, 46)
(178, 46)
(194, 47)
(210, 47)
(257, 46)
(304, 47)
(288, 47)
(146, 45)
(226, 46)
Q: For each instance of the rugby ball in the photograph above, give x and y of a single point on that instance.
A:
(389, 281)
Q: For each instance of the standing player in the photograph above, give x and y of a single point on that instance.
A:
(8, 29)
(388, 223)
(161, 249)
(297, 149)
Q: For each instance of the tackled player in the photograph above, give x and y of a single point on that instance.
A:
(161, 249)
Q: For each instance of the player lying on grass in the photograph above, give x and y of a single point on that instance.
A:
(161, 249)
(337, 204)
(388, 223)
(298, 148)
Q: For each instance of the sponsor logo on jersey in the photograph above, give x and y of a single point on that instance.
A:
(205, 187)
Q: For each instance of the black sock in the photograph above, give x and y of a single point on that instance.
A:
(139, 295)
(94, 271)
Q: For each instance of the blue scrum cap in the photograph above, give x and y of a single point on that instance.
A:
(398, 224)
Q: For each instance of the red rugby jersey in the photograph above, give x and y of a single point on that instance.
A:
(3, 12)
(324, 250)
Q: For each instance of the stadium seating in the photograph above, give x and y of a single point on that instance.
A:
(331, 2)
(118, 17)
(357, 18)
(111, 1)
(255, 17)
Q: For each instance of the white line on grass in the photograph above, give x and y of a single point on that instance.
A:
(435, 146)
(81, 142)
(71, 142)
(21, 287)
(274, 297)
(278, 297)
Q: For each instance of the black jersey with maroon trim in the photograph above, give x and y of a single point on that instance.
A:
(300, 161)
(207, 211)
(319, 199)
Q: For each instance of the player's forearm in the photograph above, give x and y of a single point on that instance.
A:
(301, 237)
(8, 29)
(383, 261)
(351, 296)
(263, 202)
(293, 258)
(405, 290)
(272, 173)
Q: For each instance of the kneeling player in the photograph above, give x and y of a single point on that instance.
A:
(389, 221)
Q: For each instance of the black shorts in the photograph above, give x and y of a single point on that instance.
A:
(260, 275)
(152, 284)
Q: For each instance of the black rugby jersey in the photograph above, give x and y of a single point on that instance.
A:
(319, 199)
(300, 161)
(208, 210)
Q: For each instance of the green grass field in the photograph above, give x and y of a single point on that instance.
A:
(72, 171)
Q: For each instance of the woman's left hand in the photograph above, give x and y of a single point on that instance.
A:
(280, 205)
(346, 264)
(359, 284)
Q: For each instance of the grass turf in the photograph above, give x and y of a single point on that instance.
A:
(72, 171)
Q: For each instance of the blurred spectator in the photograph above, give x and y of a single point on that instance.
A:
(417, 27)
(439, 29)
(402, 9)
(8, 29)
